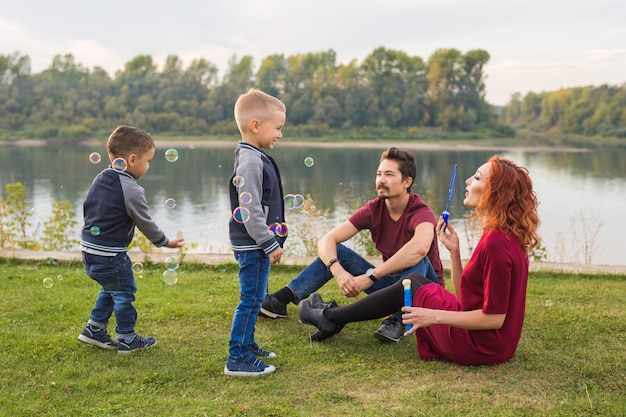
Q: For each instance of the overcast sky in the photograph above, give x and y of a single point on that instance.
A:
(535, 45)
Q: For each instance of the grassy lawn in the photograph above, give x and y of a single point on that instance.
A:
(571, 360)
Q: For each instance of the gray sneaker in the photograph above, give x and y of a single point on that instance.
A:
(138, 342)
(98, 337)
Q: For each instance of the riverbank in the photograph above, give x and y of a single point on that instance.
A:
(448, 145)
(215, 259)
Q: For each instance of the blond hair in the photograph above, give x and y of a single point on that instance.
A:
(255, 104)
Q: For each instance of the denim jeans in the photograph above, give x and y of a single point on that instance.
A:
(115, 276)
(254, 273)
(314, 276)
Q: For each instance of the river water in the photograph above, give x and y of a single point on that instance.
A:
(582, 194)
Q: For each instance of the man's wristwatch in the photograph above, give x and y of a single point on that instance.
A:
(370, 274)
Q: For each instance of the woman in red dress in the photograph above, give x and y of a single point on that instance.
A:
(481, 322)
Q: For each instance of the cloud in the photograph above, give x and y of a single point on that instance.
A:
(603, 54)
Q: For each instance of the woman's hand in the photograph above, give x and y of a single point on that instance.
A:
(418, 317)
(447, 235)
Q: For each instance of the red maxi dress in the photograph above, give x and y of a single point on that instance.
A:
(494, 280)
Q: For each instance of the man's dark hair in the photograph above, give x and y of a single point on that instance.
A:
(406, 163)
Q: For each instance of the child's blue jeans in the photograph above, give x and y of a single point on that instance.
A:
(115, 276)
(254, 273)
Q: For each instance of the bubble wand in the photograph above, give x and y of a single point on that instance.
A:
(446, 214)
(406, 283)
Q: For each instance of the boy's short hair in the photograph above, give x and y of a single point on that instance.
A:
(126, 140)
(255, 104)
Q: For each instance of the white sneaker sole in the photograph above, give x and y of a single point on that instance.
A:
(268, 370)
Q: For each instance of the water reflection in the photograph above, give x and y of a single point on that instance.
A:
(567, 183)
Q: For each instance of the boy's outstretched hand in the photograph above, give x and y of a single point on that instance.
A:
(175, 243)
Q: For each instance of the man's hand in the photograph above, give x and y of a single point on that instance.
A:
(348, 285)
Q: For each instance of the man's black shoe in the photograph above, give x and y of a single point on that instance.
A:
(391, 331)
(272, 308)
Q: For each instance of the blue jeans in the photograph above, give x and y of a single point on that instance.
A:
(254, 273)
(115, 276)
(314, 276)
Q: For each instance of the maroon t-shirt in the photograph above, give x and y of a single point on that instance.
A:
(494, 281)
(389, 235)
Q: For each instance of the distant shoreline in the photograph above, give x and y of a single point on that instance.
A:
(412, 145)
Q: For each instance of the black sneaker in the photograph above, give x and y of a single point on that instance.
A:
(247, 366)
(272, 308)
(138, 342)
(391, 331)
(98, 337)
(314, 315)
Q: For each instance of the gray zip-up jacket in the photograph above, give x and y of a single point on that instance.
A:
(255, 173)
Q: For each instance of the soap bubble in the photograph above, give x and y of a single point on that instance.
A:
(48, 282)
(119, 165)
(245, 198)
(170, 203)
(170, 277)
(238, 181)
(293, 201)
(241, 214)
(279, 229)
(95, 230)
(309, 162)
(137, 267)
(171, 155)
(95, 158)
(171, 262)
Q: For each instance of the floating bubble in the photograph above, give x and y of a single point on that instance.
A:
(293, 201)
(95, 158)
(59, 277)
(238, 181)
(304, 215)
(48, 282)
(298, 200)
(192, 147)
(137, 267)
(171, 262)
(171, 155)
(95, 230)
(170, 203)
(170, 277)
(245, 198)
(309, 162)
(241, 214)
(119, 165)
(279, 229)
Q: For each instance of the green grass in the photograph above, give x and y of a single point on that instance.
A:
(571, 360)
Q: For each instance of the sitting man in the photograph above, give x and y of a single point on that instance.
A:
(402, 227)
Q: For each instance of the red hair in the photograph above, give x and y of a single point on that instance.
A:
(508, 202)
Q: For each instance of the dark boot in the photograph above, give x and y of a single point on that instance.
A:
(314, 315)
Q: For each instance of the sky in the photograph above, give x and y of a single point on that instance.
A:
(534, 45)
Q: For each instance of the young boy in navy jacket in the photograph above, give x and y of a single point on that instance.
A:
(114, 205)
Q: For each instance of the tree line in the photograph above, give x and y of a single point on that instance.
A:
(388, 89)
(589, 111)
